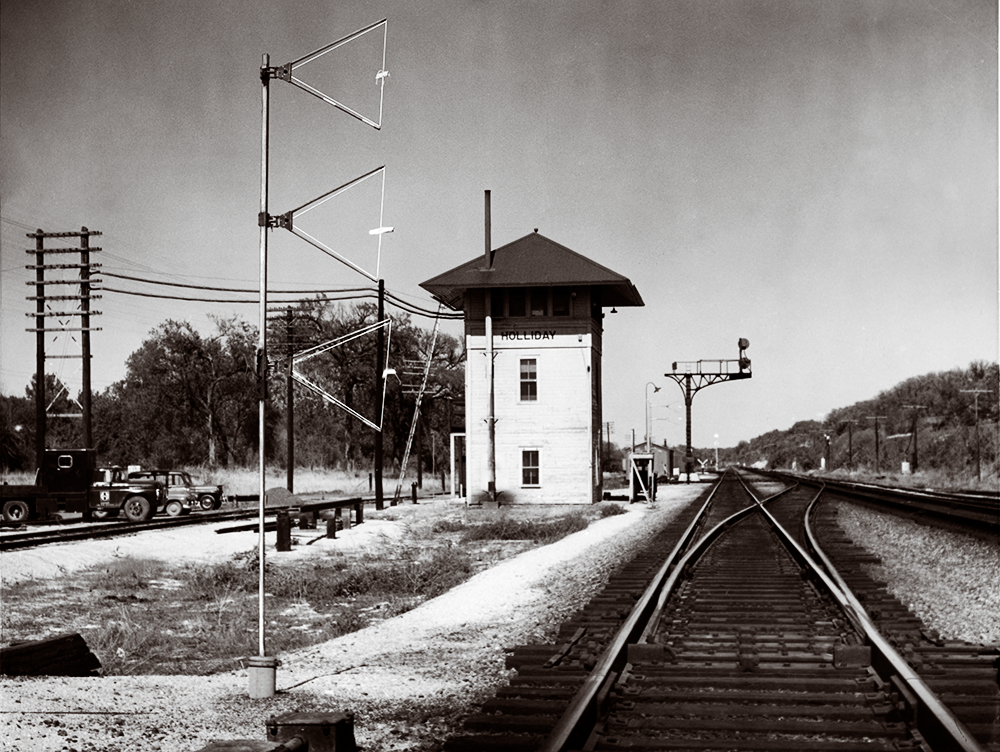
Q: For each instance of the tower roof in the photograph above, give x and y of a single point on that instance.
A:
(532, 261)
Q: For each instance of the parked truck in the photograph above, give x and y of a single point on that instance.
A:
(70, 480)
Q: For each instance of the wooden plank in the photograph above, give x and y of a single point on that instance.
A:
(63, 655)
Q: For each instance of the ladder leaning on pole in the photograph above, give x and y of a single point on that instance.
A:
(416, 409)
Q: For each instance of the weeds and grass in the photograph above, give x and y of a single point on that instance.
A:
(151, 617)
(510, 527)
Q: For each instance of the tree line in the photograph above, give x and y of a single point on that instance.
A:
(943, 421)
(191, 399)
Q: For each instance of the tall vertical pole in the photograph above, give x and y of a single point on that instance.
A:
(850, 445)
(379, 388)
(289, 407)
(85, 334)
(878, 462)
(491, 418)
(877, 459)
(39, 350)
(688, 397)
(976, 393)
(263, 222)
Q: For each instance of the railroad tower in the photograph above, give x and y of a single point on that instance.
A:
(533, 334)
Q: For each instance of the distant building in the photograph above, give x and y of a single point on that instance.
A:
(545, 304)
(665, 459)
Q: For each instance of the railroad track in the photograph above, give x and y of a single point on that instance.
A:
(738, 640)
(18, 539)
(49, 534)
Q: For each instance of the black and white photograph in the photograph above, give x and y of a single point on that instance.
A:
(355, 362)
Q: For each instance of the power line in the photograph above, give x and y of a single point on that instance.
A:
(232, 289)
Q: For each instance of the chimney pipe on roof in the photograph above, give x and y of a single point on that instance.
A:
(489, 242)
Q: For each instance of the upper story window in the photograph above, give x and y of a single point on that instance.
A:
(517, 304)
(529, 380)
(560, 301)
(539, 301)
(496, 303)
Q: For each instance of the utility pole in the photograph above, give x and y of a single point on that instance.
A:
(876, 419)
(379, 388)
(491, 423)
(41, 298)
(291, 339)
(976, 393)
(850, 442)
(702, 373)
(914, 430)
(605, 443)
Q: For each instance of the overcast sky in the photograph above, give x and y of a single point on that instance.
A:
(818, 177)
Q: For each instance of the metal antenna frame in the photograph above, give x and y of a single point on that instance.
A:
(326, 347)
(265, 222)
(285, 73)
(287, 221)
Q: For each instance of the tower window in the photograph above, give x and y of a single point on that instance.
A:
(496, 303)
(530, 467)
(529, 380)
(516, 302)
(539, 301)
(560, 301)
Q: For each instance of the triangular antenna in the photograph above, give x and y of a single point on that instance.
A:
(330, 345)
(288, 221)
(287, 72)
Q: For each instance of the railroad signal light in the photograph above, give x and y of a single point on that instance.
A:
(744, 361)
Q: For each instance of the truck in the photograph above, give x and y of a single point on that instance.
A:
(70, 480)
(182, 488)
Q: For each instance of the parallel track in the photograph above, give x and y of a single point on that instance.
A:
(738, 645)
(40, 536)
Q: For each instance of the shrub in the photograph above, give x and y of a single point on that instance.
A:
(448, 526)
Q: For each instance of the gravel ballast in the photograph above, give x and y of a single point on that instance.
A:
(409, 680)
(950, 581)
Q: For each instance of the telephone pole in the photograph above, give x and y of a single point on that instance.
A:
(42, 298)
(914, 430)
(976, 393)
(877, 462)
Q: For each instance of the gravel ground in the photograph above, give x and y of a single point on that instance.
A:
(412, 679)
(409, 680)
(948, 580)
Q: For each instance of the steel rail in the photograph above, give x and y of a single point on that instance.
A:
(11, 541)
(938, 724)
(982, 510)
(586, 702)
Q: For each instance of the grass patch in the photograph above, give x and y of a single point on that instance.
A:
(153, 617)
(610, 510)
(510, 527)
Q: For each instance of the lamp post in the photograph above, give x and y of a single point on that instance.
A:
(649, 447)
(716, 452)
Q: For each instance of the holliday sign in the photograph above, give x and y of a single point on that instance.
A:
(536, 334)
